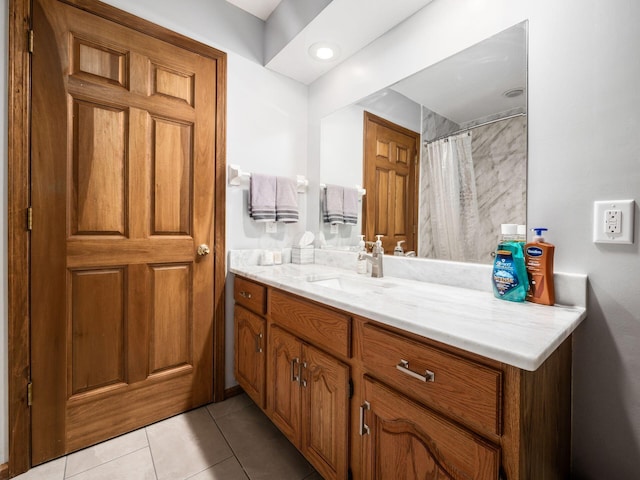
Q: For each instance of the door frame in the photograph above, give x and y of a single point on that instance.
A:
(19, 192)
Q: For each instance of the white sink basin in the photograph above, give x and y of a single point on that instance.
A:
(352, 285)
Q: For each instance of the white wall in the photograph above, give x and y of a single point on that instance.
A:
(266, 133)
(583, 146)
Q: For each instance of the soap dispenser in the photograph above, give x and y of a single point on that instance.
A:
(539, 262)
(398, 249)
(361, 262)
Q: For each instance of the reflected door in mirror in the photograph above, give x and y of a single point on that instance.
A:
(390, 172)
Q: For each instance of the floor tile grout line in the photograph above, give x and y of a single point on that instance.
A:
(153, 461)
(227, 441)
(103, 463)
(66, 463)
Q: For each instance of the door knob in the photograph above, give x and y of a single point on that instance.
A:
(203, 250)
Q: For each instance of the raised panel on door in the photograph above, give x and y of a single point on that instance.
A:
(98, 329)
(250, 353)
(283, 397)
(384, 178)
(171, 318)
(99, 61)
(99, 169)
(408, 441)
(325, 419)
(172, 164)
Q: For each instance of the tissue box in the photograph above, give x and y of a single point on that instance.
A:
(302, 255)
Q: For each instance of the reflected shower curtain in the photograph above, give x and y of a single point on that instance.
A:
(452, 199)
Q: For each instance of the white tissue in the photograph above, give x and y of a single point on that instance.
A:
(307, 238)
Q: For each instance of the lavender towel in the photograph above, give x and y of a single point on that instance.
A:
(286, 200)
(333, 204)
(350, 206)
(262, 198)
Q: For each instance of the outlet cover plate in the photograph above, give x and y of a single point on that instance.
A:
(601, 222)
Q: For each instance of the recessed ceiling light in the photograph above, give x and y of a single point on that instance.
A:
(324, 51)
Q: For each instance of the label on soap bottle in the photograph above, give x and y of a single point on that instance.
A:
(505, 277)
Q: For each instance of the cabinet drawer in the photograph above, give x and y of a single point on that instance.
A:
(403, 438)
(251, 295)
(323, 327)
(459, 387)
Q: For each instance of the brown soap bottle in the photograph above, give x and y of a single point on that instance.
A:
(538, 257)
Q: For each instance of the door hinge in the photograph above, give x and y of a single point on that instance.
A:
(30, 41)
(30, 393)
(29, 218)
(350, 388)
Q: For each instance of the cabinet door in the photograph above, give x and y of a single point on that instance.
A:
(325, 400)
(283, 391)
(408, 441)
(250, 353)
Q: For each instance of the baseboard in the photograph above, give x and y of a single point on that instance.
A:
(4, 471)
(229, 392)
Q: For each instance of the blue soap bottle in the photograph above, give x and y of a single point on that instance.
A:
(509, 276)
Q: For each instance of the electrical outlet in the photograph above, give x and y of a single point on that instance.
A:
(613, 221)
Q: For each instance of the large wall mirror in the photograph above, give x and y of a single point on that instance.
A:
(470, 111)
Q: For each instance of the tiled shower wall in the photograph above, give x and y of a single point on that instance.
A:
(499, 152)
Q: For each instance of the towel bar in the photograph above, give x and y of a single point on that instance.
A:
(236, 177)
(361, 191)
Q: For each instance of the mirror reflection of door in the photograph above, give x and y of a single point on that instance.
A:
(390, 178)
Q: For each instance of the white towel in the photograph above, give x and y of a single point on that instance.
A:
(350, 206)
(333, 205)
(262, 198)
(286, 200)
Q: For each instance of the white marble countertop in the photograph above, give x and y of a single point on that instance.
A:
(520, 334)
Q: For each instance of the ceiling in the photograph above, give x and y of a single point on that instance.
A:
(259, 8)
(470, 85)
(349, 24)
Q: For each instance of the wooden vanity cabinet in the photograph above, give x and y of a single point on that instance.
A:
(402, 439)
(364, 400)
(308, 400)
(308, 385)
(455, 414)
(250, 328)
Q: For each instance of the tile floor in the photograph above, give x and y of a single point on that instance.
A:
(230, 440)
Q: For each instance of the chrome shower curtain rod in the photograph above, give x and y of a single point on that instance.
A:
(474, 126)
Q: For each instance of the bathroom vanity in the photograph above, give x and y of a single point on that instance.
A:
(393, 378)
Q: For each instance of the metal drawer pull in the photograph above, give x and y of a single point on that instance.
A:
(364, 428)
(294, 377)
(428, 376)
(259, 343)
(245, 294)
(302, 365)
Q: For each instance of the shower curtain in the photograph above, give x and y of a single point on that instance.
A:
(452, 199)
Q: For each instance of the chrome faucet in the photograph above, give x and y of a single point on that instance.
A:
(375, 259)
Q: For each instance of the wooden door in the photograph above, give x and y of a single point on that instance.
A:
(410, 442)
(250, 353)
(390, 178)
(283, 380)
(325, 407)
(123, 164)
